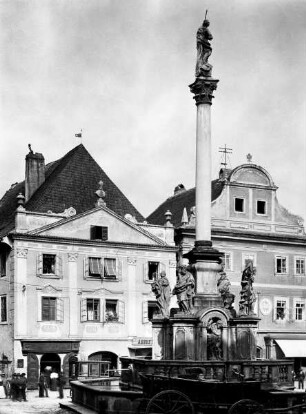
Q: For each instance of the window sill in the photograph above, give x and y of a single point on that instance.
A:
(48, 276)
(281, 274)
(149, 281)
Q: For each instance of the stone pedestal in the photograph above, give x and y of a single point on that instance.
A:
(162, 339)
(242, 338)
(184, 329)
(207, 264)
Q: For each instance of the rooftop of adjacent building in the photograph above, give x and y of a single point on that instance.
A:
(71, 181)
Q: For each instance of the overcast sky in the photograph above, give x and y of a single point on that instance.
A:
(120, 71)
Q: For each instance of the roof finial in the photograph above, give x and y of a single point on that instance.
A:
(184, 219)
(100, 193)
(168, 216)
(31, 151)
(249, 157)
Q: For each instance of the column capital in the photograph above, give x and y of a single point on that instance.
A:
(203, 88)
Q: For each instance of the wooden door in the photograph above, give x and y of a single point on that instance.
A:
(32, 374)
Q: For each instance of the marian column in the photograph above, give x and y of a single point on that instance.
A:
(205, 258)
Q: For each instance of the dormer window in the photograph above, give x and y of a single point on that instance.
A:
(239, 205)
(261, 207)
(98, 233)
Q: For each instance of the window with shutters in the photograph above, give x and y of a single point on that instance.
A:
(108, 268)
(3, 303)
(49, 265)
(299, 268)
(48, 308)
(281, 265)
(98, 233)
(114, 311)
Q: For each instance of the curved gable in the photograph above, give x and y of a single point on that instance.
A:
(251, 174)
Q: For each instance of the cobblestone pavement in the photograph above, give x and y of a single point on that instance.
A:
(35, 404)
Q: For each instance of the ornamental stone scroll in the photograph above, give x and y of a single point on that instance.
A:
(132, 261)
(22, 253)
(72, 257)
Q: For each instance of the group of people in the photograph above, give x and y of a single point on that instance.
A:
(299, 377)
(14, 388)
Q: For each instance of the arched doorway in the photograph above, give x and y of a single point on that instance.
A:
(105, 356)
(49, 363)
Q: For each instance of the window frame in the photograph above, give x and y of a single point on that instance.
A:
(58, 309)
(3, 298)
(265, 207)
(301, 302)
(243, 205)
(281, 257)
(248, 256)
(98, 310)
(94, 230)
(4, 254)
(286, 309)
(230, 261)
(119, 312)
(296, 259)
(51, 318)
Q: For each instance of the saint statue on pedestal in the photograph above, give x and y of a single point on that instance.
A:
(162, 291)
(203, 68)
(247, 295)
(184, 289)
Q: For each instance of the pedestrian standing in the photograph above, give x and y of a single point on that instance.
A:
(301, 378)
(18, 387)
(61, 381)
(6, 386)
(42, 385)
(14, 387)
(23, 381)
(2, 390)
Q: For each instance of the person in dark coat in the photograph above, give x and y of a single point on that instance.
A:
(23, 382)
(61, 381)
(42, 385)
(14, 387)
(301, 378)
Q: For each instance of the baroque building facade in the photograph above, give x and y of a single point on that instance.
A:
(77, 264)
(248, 223)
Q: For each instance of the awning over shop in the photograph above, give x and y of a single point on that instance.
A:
(136, 351)
(292, 347)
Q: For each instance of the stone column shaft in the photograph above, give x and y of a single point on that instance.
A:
(203, 173)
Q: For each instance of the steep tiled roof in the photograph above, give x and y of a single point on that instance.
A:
(70, 181)
(177, 203)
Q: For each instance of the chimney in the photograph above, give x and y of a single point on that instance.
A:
(34, 174)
